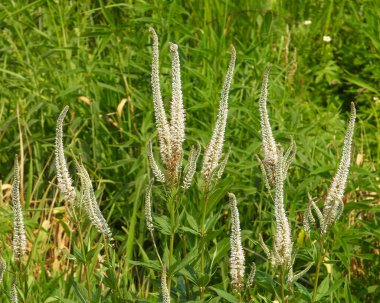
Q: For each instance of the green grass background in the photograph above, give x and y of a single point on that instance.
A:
(57, 53)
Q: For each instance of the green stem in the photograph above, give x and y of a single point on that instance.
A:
(202, 239)
(156, 249)
(172, 235)
(84, 256)
(282, 277)
(321, 256)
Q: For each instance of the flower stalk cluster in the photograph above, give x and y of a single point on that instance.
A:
(87, 197)
(170, 135)
(333, 205)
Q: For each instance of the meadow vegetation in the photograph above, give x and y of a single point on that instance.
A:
(208, 176)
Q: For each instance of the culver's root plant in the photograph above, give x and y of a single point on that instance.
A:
(274, 168)
(176, 181)
(86, 200)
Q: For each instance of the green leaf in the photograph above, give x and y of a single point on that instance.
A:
(80, 291)
(163, 224)
(188, 259)
(150, 264)
(323, 288)
(225, 295)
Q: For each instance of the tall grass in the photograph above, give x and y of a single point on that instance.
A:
(96, 57)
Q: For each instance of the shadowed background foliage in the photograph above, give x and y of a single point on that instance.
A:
(95, 56)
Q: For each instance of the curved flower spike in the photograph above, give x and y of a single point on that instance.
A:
(214, 149)
(63, 176)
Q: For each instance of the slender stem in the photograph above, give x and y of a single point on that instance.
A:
(156, 249)
(321, 257)
(282, 277)
(202, 241)
(84, 256)
(172, 235)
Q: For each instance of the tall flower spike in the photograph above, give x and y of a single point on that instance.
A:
(158, 174)
(177, 113)
(148, 206)
(162, 124)
(282, 248)
(13, 291)
(63, 176)
(19, 237)
(214, 149)
(333, 205)
(251, 277)
(269, 144)
(164, 286)
(223, 164)
(91, 206)
(3, 267)
(237, 259)
(191, 166)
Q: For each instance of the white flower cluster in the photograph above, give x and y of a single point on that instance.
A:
(13, 292)
(164, 286)
(3, 267)
(87, 192)
(172, 135)
(148, 207)
(333, 205)
(214, 149)
(63, 176)
(19, 237)
(91, 207)
(237, 259)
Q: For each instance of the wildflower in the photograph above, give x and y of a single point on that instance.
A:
(164, 286)
(63, 176)
(91, 206)
(333, 206)
(237, 260)
(189, 170)
(327, 39)
(177, 113)
(148, 207)
(162, 124)
(19, 237)
(251, 277)
(269, 144)
(214, 149)
(282, 247)
(13, 291)
(158, 174)
(307, 22)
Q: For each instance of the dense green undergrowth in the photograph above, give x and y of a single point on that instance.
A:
(95, 56)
